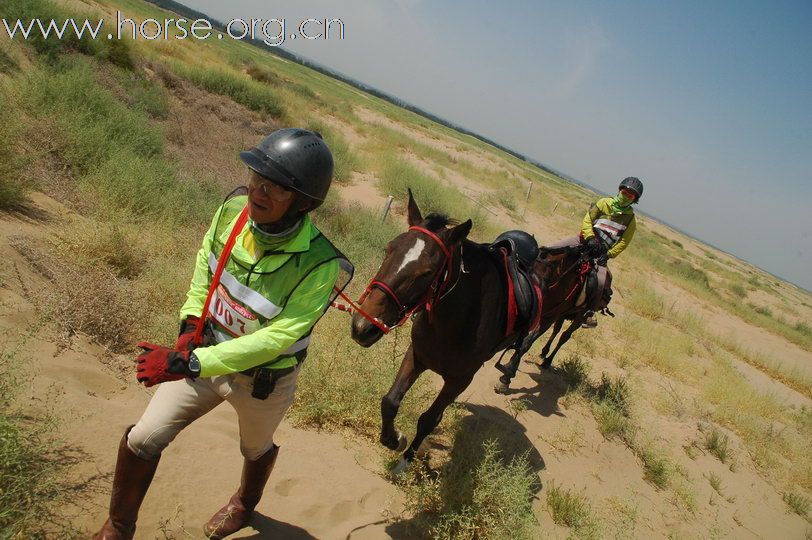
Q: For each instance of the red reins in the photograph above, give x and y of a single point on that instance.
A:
(434, 292)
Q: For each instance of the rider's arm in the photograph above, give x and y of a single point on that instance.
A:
(303, 309)
(586, 224)
(595, 211)
(624, 239)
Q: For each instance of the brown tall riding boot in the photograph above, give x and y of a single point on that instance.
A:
(235, 515)
(130, 483)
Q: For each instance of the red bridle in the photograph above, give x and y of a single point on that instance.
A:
(404, 312)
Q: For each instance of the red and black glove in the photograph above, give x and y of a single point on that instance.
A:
(186, 336)
(161, 364)
(595, 247)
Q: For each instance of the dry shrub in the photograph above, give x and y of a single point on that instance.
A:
(111, 245)
(94, 301)
(85, 296)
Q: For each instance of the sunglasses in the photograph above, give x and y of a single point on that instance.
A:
(270, 189)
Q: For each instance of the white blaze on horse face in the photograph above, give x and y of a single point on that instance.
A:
(413, 254)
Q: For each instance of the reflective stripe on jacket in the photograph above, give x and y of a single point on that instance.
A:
(614, 229)
(264, 308)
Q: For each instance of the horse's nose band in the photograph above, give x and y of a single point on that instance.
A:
(403, 312)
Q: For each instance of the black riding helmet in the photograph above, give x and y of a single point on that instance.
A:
(633, 183)
(295, 158)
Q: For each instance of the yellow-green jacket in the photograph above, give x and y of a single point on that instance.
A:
(268, 301)
(614, 225)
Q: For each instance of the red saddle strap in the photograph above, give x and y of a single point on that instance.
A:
(512, 308)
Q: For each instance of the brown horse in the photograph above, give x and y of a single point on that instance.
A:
(563, 274)
(455, 290)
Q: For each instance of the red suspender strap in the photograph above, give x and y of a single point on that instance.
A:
(221, 264)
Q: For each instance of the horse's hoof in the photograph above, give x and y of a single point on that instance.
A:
(402, 442)
(500, 388)
(400, 467)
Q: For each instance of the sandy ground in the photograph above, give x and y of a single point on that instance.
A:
(334, 486)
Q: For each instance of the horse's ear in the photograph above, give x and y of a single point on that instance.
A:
(415, 217)
(460, 231)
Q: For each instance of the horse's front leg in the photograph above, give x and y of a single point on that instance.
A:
(509, 370)
(452, 388)
(390, 403)
(556, 329)
(576, 324)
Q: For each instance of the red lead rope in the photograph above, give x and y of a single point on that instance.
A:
(221, 264)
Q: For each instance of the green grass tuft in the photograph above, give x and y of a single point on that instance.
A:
(567, 508)
(797, 503)
(716, 483)
(738, 289)
(575, 372)
(716, 443)
(480, 493)
(657, 468)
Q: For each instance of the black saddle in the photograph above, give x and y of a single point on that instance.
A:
(519, 244)
(521, 250)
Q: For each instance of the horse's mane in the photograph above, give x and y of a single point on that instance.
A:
(436, 221)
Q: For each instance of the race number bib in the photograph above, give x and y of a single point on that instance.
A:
(233, 318)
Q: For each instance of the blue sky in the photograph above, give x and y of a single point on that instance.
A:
(709, 103)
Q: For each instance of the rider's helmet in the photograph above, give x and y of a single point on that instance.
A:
(294, 158)
(634, 184)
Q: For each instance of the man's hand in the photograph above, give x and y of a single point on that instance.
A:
(187, 333)
(161, 364)
(595, 246)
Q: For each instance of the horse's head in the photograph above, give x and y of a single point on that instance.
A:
(414, 266)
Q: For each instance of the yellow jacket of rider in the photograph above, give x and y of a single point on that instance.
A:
(267, 303)
(613, 225)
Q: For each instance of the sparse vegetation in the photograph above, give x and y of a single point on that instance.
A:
(797, 503)
(716, 443)
(716, 483)
(656, 466)
(107, 148)
(738, 290)
(251, 94)
(469, 497)
(568, 508)
(574, 371)
(647, 303)
(33, 466)
(7, 63)
(13, 185)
